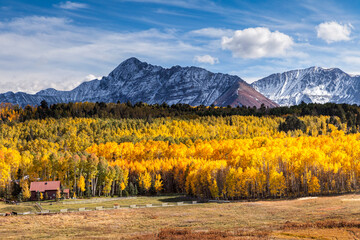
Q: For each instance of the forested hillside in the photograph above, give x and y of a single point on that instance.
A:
(205, 152)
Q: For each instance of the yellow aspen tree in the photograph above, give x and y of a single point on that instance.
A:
(145, 181)
(190, 187)
(122, 186)
(214, 190)
(58, 194)
(81, 184)
(126, 177)
(277, 183)
(4, 172)
(241, 186)
(107, 187)
(26, 191)
(230, 183)
(314, 186)
(158, 183)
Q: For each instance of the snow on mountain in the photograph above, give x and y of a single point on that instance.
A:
(311, 85)
(137, 81)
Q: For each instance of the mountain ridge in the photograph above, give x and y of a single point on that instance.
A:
(136, 81)
(310, 85)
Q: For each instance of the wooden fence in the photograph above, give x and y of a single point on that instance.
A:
(101, 208)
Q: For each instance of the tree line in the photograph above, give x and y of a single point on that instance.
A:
(349, 114)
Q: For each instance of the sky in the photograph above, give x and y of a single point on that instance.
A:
(59, 44)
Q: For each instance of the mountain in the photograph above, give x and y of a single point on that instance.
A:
(311, 85)
(137, 81)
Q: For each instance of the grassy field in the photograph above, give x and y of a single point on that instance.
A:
(308, 218)
(142, 201)
(22, 207)
(106, 202)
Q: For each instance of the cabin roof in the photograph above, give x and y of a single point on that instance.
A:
(44, 186)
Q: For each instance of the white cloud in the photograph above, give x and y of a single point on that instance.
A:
(91, 77)
(42, 52)
(257, 43)
(213, 32)
(34, 24)
(251, 79)
(334, 32)
(206, 59)
(72, 5)
(203, 5)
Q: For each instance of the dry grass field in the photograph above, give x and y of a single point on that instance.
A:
(308, 218)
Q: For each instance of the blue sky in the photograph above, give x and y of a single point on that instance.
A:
(60, 44)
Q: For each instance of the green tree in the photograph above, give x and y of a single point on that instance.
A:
(292, 123)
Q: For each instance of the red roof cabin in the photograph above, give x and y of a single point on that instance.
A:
(48, 188)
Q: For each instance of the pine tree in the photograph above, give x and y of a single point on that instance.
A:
(131, 189)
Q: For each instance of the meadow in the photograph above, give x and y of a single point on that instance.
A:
(334, 217)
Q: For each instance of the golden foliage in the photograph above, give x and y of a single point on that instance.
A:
(218, 157)
(26, 194)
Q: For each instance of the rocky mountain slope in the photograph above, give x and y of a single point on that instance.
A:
(137, 81)
(311, 85)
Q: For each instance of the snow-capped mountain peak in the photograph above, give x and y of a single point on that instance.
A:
(310, 85)
(137, 81)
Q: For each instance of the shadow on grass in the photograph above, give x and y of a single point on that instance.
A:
(170, 199)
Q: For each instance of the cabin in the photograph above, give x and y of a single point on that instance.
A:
(48, 188)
